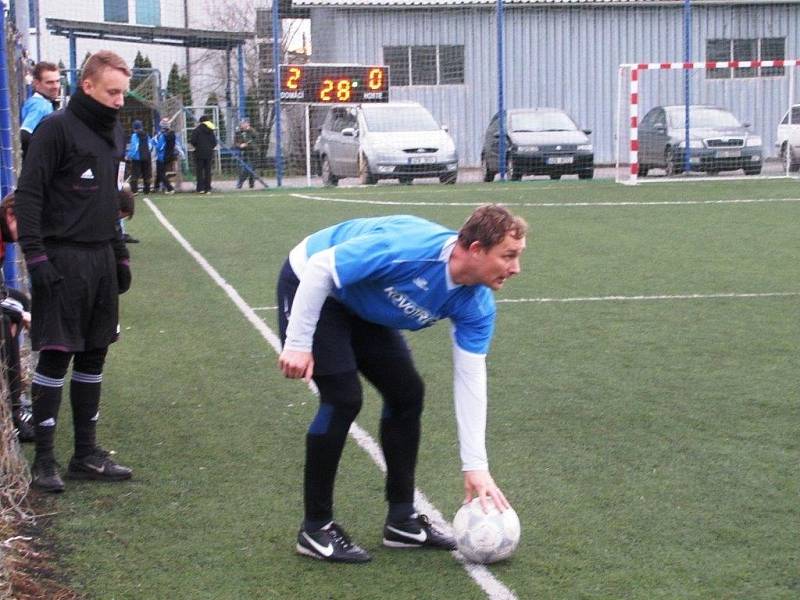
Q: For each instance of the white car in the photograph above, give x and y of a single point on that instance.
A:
(397, 140)
(789, 138)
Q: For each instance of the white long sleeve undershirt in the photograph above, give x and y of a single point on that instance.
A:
(317, 279)
(470, 399)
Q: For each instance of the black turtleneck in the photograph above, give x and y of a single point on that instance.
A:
(99, 118)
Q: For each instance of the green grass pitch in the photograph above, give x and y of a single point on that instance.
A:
(649, 446)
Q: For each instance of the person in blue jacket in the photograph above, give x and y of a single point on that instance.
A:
(168, 150)
(344, 294)
(139, 149)
(43, 101)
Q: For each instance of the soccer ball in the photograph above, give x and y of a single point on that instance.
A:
(486, 537)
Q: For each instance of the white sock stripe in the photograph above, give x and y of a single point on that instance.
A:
(87, 377)
(46, 381)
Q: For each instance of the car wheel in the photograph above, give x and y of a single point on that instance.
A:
(643, 170)
(586, 174)
(514, 171)
(488, 174)
(752, 170)
(328, 178)
(794, 160)
(448, 179)
(555, 175)
(364, 174)
(406, 180)
(671, 166)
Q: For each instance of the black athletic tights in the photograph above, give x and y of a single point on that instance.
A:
(403, 391)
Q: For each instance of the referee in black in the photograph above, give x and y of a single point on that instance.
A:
(66, 209)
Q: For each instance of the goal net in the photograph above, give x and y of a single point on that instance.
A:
(737, 119)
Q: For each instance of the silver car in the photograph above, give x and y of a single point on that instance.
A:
(717, 141)
(788, 136)
(396, 140)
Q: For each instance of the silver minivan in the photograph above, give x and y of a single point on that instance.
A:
(395, 140)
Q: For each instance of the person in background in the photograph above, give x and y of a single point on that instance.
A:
(168, 150)
(246, 141)
(15, 313)
(67, 214)
(43, 101)
(204, 141)
(139, 149)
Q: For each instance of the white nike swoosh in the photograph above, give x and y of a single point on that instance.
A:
(420, 537)
(324, 550)
(96, 469)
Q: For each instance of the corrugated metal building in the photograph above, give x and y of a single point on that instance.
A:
(565, 54)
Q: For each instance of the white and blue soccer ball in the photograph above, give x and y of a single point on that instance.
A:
(486, 537)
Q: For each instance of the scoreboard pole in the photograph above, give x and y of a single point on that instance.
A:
(308, 145)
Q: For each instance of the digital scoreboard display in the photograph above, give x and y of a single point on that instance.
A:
(334, 84)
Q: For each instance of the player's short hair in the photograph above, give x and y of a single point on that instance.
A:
(102, 60)
(41, 67)
(489, 224)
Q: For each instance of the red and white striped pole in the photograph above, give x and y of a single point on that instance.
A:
(633, 90)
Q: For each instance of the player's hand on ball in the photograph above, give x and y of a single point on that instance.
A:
(479, 484)
(296, 365)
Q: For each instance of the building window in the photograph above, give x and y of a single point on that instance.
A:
(115, 11)
(725, 50)
(148, 12)
(424, 65)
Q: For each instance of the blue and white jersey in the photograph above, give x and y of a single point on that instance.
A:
(36, 108)
(393, 271)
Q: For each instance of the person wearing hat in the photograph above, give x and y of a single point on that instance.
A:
(167, 150)
(246, 143)
(139, 154)
(204, 142)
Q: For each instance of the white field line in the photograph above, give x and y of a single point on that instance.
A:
(494, 589)
(624, 298)
(652, 297)
(547, 204)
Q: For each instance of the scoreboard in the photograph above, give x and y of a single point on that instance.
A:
(334, 84)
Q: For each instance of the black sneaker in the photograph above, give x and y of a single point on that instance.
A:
(330, 543)
(416, 532)
(45, 476)
(23, 423)
(98, 466)
(129, 239)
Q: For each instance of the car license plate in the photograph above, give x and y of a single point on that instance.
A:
(422, 160)
(559, 160)
(729, 153)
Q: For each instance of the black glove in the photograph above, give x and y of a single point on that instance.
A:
(123, 276)
(44, 276)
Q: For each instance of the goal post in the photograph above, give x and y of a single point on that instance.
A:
(739, 123)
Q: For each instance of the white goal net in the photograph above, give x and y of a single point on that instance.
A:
(737, 119)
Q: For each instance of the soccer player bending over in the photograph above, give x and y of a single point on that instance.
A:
(343, 294)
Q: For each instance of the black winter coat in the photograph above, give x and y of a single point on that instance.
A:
(204, 141)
